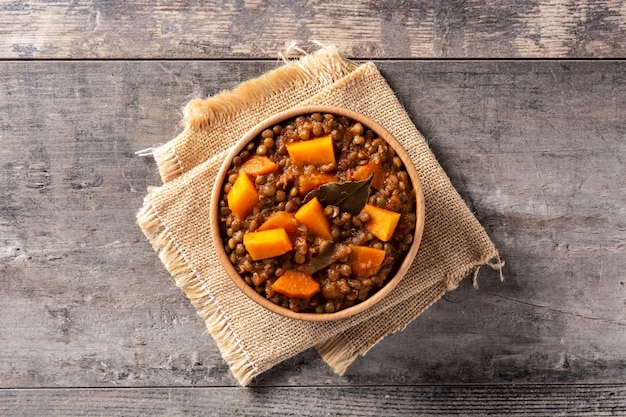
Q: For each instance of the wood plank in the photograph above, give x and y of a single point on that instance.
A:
(259, 29)
(524, 400)
(535, 148)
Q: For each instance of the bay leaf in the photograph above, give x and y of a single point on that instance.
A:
(349, 196)
(329, 253)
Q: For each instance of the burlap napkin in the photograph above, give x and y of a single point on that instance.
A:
(175, 218)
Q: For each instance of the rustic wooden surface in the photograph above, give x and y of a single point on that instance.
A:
(367, 29)
(92, 324)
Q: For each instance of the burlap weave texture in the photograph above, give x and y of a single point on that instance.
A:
(175, 218)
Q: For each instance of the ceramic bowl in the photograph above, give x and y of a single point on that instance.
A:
(392, 281)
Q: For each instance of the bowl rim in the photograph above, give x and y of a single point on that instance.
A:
(408, 258)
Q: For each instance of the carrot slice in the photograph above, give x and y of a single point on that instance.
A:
(296, 284)
(258, 165)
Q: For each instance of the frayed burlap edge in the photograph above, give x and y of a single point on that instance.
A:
(334, 351)
(339, 352)
(208, 308)
(325, 65)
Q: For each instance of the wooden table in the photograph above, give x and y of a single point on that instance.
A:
(520, 111)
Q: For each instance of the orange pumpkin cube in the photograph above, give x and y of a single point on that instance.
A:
(365, 261)
(267, 243)
(382, 222)
(280, 219)
(315, 151)
(258, 165)
(242, 196)
(312, 181)
(363, 172)
(312, 216)
(296, 284)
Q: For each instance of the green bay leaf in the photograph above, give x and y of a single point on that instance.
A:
(349, 196)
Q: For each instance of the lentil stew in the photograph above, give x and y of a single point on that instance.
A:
(317, 212)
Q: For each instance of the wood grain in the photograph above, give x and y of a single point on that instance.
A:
(92, 324)
(418, 401)
(535, 148)
(361, 29)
